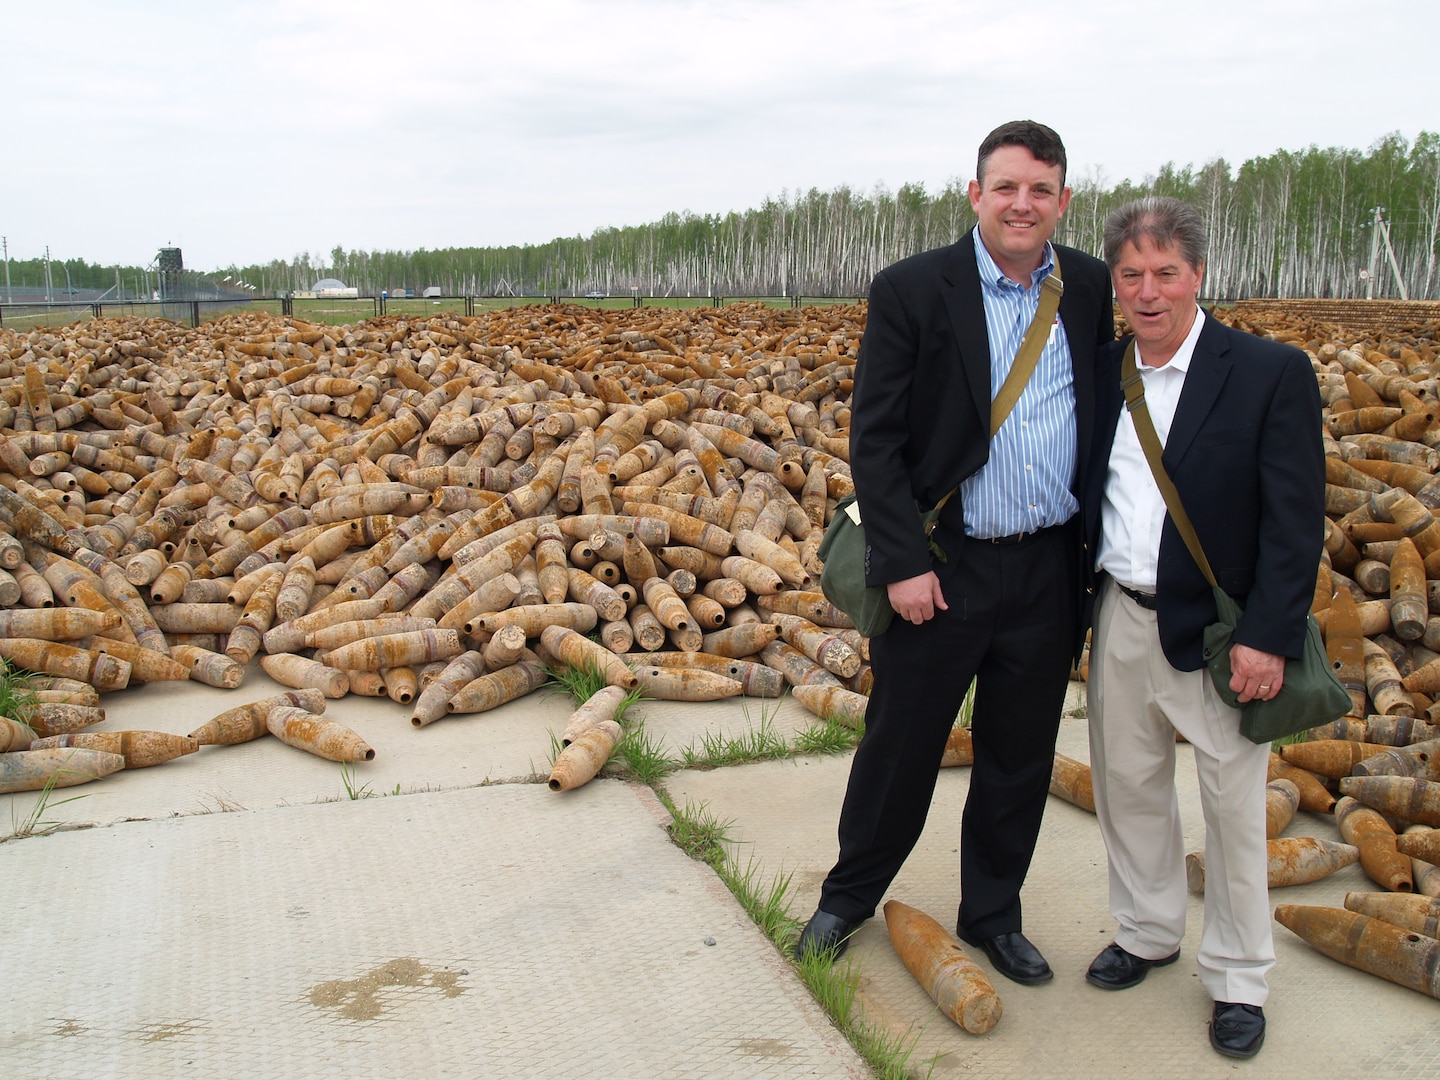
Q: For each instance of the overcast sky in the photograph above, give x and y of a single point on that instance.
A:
(245, 132)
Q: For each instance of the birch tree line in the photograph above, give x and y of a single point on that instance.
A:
(1293, 224)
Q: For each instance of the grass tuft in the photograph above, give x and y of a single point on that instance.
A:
(699, 834)
(17, 698)
(827, 736)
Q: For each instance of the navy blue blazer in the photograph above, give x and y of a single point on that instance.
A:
(1245, 454)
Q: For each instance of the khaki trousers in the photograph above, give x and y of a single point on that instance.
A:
(1136, 701)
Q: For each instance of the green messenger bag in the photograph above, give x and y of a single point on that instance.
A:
(843, 578)
(1311, 694)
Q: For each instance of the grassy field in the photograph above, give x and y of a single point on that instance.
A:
(338, 312)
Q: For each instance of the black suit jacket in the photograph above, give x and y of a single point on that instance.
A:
(921, 403)
(1245, 454)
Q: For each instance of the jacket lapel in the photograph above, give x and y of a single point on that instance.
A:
(1209, 369)
(966, 308)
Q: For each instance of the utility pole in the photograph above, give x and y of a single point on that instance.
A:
(47, 274)
(5, 243)
(1394, 264)
(1374, 252)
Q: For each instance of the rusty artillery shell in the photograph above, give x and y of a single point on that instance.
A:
(1343, 645)
(1382, 682)
(32, 770)
(57, 624)
(302, 673)
(585, 588)
(50, 718)
(959, 748)
(138, 748)
(740, 641)
(808, 605)
(430, 705)
(79, 694)
(318, 735)
(1409, 608)
(534, 618)
(1329, 757)
(585, 756)
(1406, 797)
(1420, 760)
(292, 635)
(246, 722)
(146, 665)
(395, 650)
(1364, 827)
(1370, 945)
(579, 652)
(341, 634)
(209, 667)
(1314, 796)
(758, 577)
(1293, 860)
(505, 647)
(100, 670)
(597, 708)
(836, 702)
(1071, 780)
(826, 649)
(15, 735)
(1282, 799)
(1418, 914)
(799, 669)
(756, 680)
(956, 983)
(685, 684)
(196, 618)
(1421, 844)
(494, 689)
(754, 546)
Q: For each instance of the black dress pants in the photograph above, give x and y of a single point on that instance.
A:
(1011, 627)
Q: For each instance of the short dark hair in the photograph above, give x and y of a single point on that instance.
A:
(1042, 142)
(1167, 222)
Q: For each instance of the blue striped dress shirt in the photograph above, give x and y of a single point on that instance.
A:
(1025, 486)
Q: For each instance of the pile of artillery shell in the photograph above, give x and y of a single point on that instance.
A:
(367, 509)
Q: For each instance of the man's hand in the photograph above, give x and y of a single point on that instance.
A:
(1255, 675)
(915, 599)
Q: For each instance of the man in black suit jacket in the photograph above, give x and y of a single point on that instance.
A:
(1002, 608)
(1239, 420)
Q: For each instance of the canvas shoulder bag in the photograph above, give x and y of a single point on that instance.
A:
(1311, 693)
(843, 548)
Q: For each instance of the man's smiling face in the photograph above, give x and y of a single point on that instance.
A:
(1019, 203)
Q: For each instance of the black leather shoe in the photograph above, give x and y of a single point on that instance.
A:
(1014, 957)
(1237, 1030)
(825, 933)
(1117, 969)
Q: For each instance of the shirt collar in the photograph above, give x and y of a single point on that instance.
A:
(994, 278)
(1184, 354)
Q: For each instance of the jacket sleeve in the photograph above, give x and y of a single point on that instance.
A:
(1292, 515)
(880, 437)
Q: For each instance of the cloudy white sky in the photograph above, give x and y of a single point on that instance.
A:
(244, 132)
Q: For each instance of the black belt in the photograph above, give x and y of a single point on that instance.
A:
(1144, 599)
(1013, 538)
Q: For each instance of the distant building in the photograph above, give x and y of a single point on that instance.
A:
(333, 288)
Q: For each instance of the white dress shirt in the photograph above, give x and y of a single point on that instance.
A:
(1133, 511)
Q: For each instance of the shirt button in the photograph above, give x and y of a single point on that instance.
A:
(1027, 468)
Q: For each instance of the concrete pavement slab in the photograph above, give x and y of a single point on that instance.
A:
(493, 931)
(1324, 1019)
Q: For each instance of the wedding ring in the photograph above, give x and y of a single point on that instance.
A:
(1264, 687)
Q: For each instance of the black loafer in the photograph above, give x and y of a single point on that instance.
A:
(1014, 957)
(1117, 969)
(1237, 1030)
(825, 933)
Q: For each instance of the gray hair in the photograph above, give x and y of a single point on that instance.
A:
(1167, 222)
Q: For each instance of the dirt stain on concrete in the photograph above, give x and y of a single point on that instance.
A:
(768, 1048)
(359, 999)
(68, 1028)
(160, 1032)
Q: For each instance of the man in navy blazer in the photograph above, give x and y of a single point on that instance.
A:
(1239, 420)
(1003, 606)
